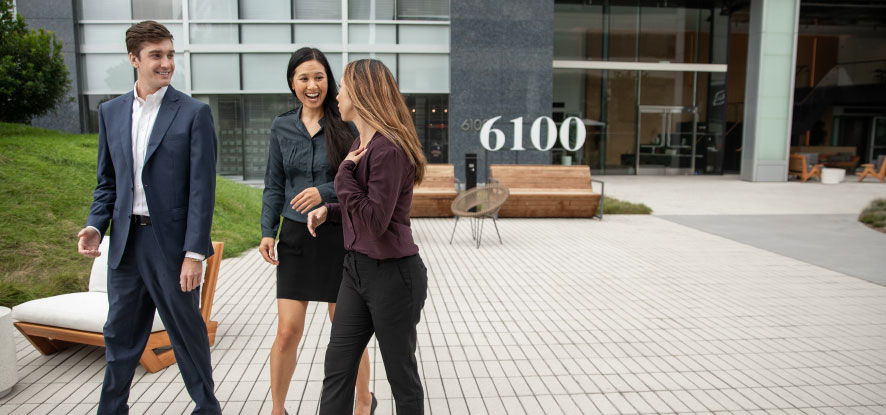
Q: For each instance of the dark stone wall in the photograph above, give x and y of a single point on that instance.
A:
(501, 64)
(58, 16)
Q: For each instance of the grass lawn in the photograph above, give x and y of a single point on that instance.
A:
(46, 184)
(613, 206)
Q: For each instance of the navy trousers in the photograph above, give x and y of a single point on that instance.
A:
(384, 297)
(143, 282)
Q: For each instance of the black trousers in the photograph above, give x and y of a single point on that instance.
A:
(384, 297)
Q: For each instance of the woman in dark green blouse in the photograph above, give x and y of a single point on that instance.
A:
(306, 146)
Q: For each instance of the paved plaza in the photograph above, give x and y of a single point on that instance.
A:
(632, 314)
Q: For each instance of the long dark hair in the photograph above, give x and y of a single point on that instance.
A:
(338, 136)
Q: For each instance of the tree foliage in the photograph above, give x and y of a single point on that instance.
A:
(33, 76)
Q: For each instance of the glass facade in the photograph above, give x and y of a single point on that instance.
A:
(232, 54)
(840, 84)
(651, 113)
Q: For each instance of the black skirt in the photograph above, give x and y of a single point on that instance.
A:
(310, 268)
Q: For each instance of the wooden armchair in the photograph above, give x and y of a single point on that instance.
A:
(55, 323)
(797, 166)
(869, 169)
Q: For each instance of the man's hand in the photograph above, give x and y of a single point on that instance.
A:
(356, 155)
(316, 218)
(307, 199)
(266, 249)
(87, 244)
(192, 271)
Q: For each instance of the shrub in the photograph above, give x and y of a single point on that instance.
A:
(33, 76)
(874, 215)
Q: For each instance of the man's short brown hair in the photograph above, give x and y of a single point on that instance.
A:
(147, 31)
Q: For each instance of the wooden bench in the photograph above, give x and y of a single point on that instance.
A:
(434, 196)
(546, 191)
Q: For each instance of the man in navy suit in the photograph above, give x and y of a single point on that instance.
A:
(156, 183)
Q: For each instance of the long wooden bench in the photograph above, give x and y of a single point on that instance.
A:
(546, 191)
(433, 197)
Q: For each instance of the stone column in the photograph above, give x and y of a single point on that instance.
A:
(769, 91)
(501, 64)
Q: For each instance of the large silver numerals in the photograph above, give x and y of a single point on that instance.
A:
(498, 139)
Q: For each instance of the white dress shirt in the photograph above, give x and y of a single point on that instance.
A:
(144, 114)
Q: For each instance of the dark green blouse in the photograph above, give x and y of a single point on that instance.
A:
(296, 161)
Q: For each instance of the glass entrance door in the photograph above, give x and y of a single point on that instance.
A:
(666, 137)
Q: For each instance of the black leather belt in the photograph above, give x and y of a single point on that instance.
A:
(141, 220)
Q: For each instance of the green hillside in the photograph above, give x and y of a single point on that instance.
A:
(46, 183)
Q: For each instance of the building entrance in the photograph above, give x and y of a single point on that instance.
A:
(666, 139)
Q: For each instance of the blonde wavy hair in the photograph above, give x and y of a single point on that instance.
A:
(378, 101)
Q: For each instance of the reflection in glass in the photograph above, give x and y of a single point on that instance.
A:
(104, 10)
(317, 34)
(572, 98)
(103, 34)
(336, 64)
(317, 9)
(156, 9)
(668, 34)
(373, 34)
(215, 9)
(228, 116)
(624, 24)
(609, 101)
(424, 73)
(260, 111)
(578, 31)
(214, 33)
(621, 119)
(107, 73)
(265, 34)
(216, 71)
(430, 112)
(422, 10)
(265, 72)
(90, 108)
(423, 35)
(363, 10)
(265, 9)
(389, 59)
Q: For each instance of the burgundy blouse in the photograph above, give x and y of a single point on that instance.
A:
(374, 199)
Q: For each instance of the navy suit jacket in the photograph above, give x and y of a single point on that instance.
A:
(178, 176)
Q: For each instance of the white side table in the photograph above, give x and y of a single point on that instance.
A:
(832, 175)
(8, 368)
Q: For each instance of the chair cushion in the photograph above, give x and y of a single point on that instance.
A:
(79, 311)
(98, 277)
(811, 159)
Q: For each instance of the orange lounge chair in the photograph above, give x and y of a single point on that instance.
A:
(800, 166)
(869, 170)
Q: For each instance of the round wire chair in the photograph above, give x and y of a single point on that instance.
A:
(478, 204)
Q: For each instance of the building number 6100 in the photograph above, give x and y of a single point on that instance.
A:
(534, 134)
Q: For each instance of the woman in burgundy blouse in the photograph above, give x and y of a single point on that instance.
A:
(384, 283)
